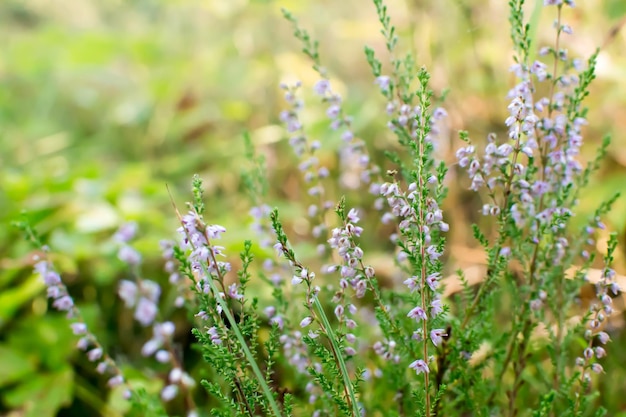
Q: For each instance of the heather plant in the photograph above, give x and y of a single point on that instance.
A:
(300, 334)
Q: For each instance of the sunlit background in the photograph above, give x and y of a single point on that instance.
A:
(104, 103)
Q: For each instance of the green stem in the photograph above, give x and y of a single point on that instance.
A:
(242, 342)
(342, 364)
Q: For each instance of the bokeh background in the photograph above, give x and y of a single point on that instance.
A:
(104, 102)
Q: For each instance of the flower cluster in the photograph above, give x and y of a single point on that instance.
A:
(127, 253)
(88, 341)
(313, 172)
(355, 161)
(599, 313)
(196, 237)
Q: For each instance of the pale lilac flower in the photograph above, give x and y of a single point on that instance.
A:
(322, 87)
(419, 366)
(169, 392)
(163, 356)
(339, 310)
(270, 311)
(603, 337)
(51, 278)
(150, 347)
(165, 329)
(233, 292)
(435, 307)
(79, 328)
(437, 335)
(150, 289)
(146, 311)
(278, 321)
(102, 367)
(333, 111)
(215, 231)
(597, 368)
(64, 303)
(383, 82)
(127, 290)
(417, 313)
(115, 381)
(412, 283)
(126, 232)
(129, 255)
(432, 280)
(83, 343)
(94, 354)
(540, 70)
(600, 352)
(433, 252)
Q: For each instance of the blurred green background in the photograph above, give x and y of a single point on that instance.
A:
(104, 102)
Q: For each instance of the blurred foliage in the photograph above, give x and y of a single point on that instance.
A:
(104, 102)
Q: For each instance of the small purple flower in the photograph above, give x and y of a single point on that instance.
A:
(597, 368)
(333, 111)
(437, 335)
(79, 328)
(146, 311)
(127, 291)
(412, 283)
(214, 335)
(322, 87)
(64, 303)
(83, 343)
(115, 381)
(339, 311)
(306, 321)
(383, 82)
(169, 392)
(129, 255)
(163, 356)
(603, 337)
(540, 70)
(435, 307)
(433, 253)
(233, 292)
(94, 354)
(126, 232)
(347, 136)
(417, 313)
(51, 278)
(102, 367)
(150, 347)
(419, 366)
(432, 280)
(278, 321)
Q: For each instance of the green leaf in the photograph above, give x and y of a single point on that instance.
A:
(14, 365)
(43, 395)
(11, 299)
